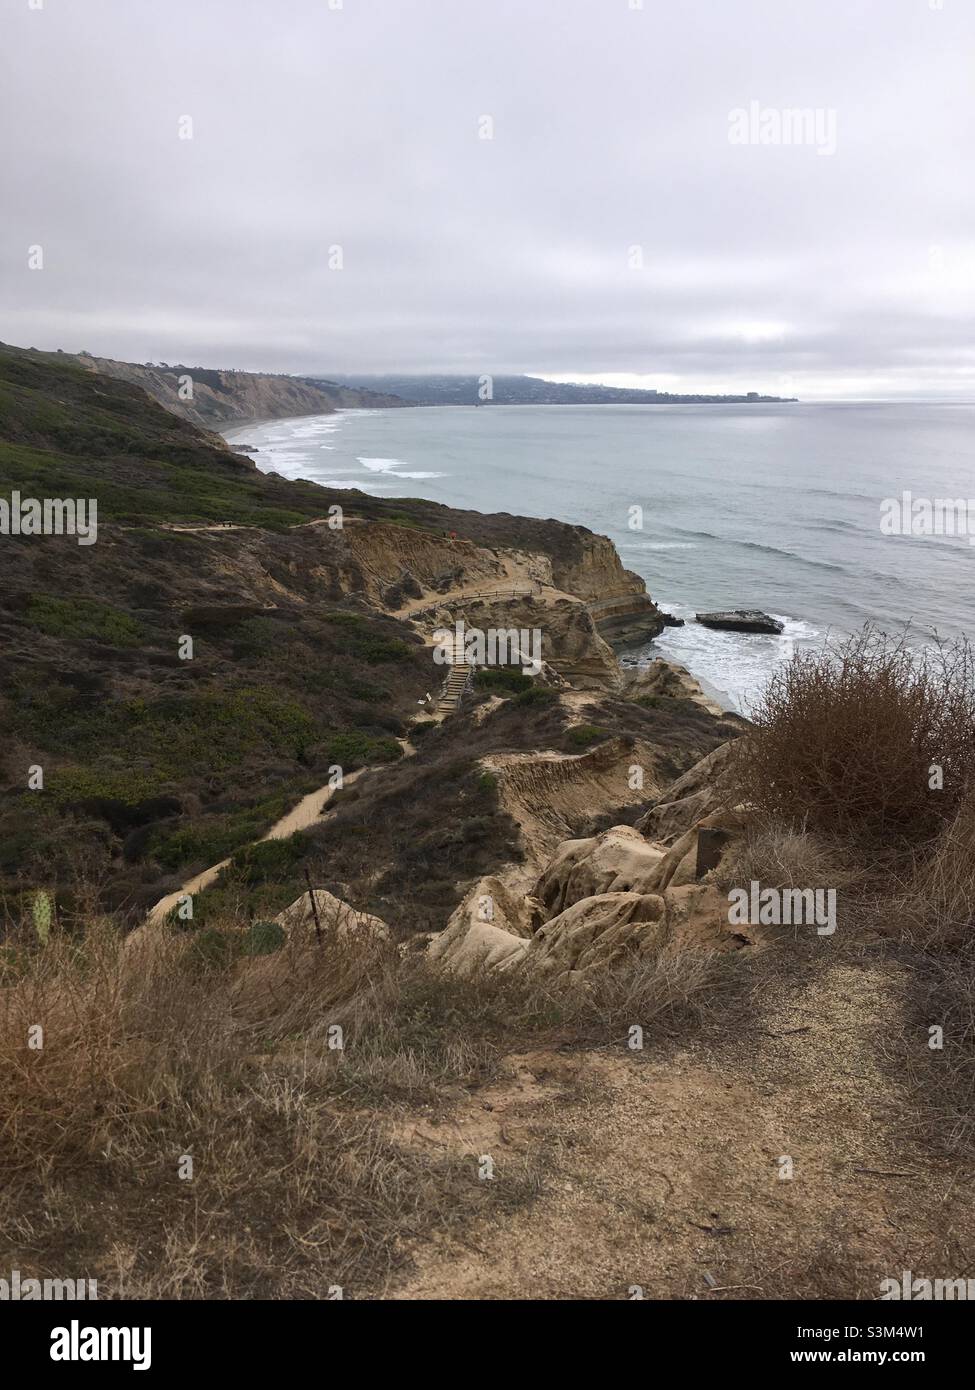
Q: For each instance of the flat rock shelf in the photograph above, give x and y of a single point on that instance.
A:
(742, 620)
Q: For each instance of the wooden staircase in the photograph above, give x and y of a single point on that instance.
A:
(456, 683)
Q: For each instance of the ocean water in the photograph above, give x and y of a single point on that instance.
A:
(771, 507)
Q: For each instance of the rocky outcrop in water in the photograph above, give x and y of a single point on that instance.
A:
(742, 620)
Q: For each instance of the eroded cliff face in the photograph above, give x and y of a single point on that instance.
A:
(560, 632)
(408, 563)
(401, 563)
(553, 554)
(622, 610)
(592, 569)
(599, 900)
(578, 597)
(221, 397)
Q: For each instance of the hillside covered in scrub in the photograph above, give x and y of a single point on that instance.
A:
(210, 397)
(474, 1018)
(155, 765)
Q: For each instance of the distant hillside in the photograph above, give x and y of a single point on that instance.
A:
(66, 431)
(532, 390)
(212, 398)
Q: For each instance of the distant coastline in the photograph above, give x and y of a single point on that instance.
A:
(486, 389)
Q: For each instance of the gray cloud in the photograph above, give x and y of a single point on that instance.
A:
(766, 265)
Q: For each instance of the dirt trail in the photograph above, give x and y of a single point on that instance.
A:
(306, 813)
(515, 588)
(665, 1174)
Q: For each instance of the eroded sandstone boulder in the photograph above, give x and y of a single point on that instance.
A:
(599, 931)
(611, 897)
(682, 862)
(692, 797)
(697, 919)
(334, 915)
(491, 927)
(620, 860)
(666, 679)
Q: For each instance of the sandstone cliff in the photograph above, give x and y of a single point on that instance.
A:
(533, 585)
(622, 610)
(221, 397)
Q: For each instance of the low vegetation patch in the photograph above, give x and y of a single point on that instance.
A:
(870, 738)
(585, 735)
(502, 680)
(77, 618)
(175, 1067)
(860, 775)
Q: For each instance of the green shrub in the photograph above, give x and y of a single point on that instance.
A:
(582, 735)
(212, 949)
(536, 695)
(354, 749)
(503, 678)
(377, 650)
(228, 899)
(208, 839)
(253, 637)
(209, 730)
(269, 861)
(71, 784)
(82, 617)
(264, 938)
(341, 619)
(368, 693)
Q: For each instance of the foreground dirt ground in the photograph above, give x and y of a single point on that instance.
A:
(662, 1177)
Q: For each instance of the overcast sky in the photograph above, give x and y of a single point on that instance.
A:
(839, 267)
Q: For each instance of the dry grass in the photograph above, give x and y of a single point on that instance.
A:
(845, 738)
(929, 911)
(931, 901)
(145, 1059)
(838, 771)
(782, 857)
(918, 909)
(838, 768)
(414, 1036)
(940, 1079)
(150, 1055)
(670, 995)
